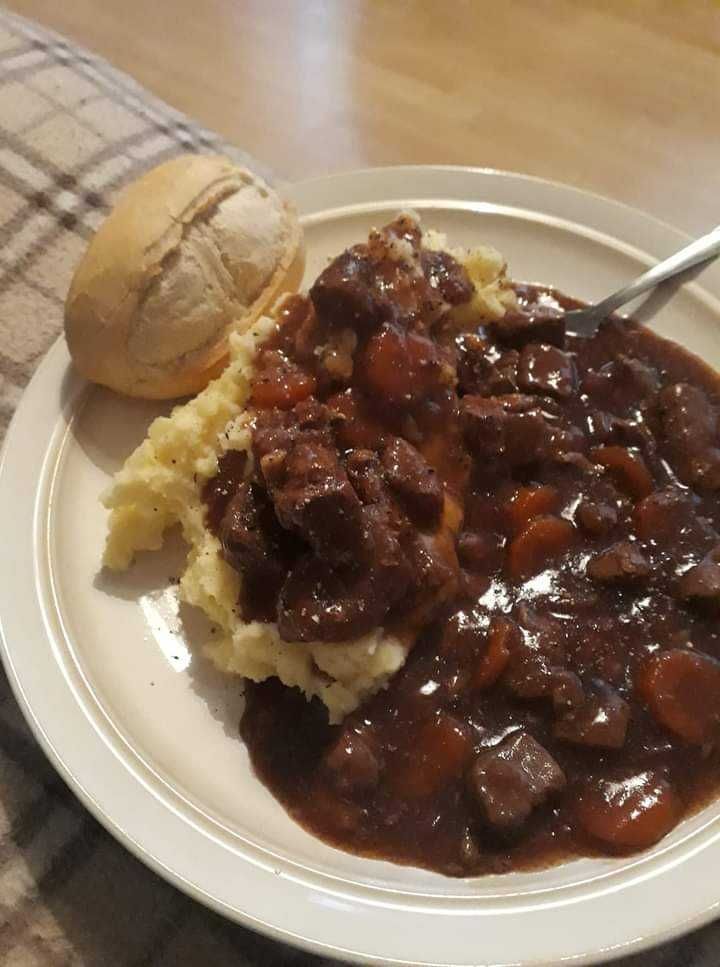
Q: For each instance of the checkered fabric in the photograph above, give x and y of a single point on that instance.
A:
(72, 132)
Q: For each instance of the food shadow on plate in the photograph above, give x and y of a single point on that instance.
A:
(178, 630)
(107, 426)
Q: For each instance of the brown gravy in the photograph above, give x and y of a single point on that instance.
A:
(393, 781)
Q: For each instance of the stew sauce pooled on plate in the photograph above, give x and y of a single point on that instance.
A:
(535, 514)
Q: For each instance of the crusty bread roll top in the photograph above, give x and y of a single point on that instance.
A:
(193, 249)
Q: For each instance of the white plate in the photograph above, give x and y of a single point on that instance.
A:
(146, 734)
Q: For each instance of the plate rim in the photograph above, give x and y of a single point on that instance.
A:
(56, 360)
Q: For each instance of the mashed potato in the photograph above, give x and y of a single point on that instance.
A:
(161, 485)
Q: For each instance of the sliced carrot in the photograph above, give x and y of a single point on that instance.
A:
(632, 812)
(280, 383)
(527, 503)
(440, 753)
(543, 541)
(682, 690)
(628, 468)
(401, 367)
(502, 636)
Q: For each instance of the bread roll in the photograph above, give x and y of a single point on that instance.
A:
(193, 249)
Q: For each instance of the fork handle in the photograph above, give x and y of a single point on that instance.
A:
(706, 247)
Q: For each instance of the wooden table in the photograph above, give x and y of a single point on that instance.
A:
(617, 96)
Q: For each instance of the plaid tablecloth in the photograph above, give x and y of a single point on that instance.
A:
(72, 132)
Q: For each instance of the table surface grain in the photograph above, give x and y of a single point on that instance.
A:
(621, 97)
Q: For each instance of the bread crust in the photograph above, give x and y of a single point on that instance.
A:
(154, 298)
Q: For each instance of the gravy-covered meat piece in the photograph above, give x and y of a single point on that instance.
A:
(277, 430)
(497, 427)
(547, 370)
(623, 563)
(623, 385)
(596, 517)
(484, 371)
(542, 323)
(447, 276)
(389, 280)
(661, 516)
(319, 602)
(537, 654)
(601, 720)
(366, 475)
(353, 762)
(347, 293)
(690, 431)
(700, 585)
(414, 481)
(251, 535)
(313, 497)
(513, 777)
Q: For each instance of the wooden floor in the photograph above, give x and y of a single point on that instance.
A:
(618, 96)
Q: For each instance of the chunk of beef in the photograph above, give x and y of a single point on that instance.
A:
(329, 601)
(690, 432)
(493, 428)
(566, 691)
(313, 497)
(622, 385)
(666, 515)
(353, 421)
(353, 761)
(480, 551)
(547, 370)
(700, 585)
(528, 438)
(447, 276)
(277, 430)
(622, 563)
(366, 475)
(543, 323)
(347, 292)
(512, 778)
(536, 656)
(250, 535)
(484, 371)
(324, 602)
(254, 544)
(484, 423)
(605, 428)
(641, 379)
(389, 280)
(435, 574)
(596, 518)
(414, 481)
(601, 720)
